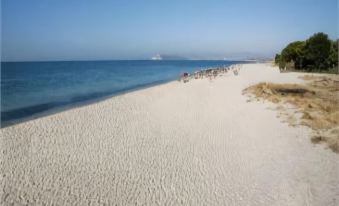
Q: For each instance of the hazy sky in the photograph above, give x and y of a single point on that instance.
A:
(126, 29)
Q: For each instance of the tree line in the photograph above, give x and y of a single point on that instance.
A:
(317, 53)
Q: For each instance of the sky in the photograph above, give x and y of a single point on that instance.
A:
(43, 30)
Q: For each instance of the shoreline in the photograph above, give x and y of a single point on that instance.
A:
(20, 115)
(73, 105)
(199, 143)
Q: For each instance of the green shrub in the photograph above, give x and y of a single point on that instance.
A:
(318, 53)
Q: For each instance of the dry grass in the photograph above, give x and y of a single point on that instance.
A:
(317, 100)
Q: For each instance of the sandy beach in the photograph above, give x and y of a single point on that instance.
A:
(195, 143)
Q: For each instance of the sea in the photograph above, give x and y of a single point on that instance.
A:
(33, 89)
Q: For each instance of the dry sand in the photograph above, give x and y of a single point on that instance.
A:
(317, 101)
(199, 143)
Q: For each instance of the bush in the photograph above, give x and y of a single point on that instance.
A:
(316, 53)
(277, 58)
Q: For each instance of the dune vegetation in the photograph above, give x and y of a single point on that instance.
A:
(317, 101)
(317, 54)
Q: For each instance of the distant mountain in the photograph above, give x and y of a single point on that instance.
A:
(249, 58)
(173, 57)
(167, 57)
(233, 57)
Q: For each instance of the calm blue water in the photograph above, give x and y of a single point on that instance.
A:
(29, 88)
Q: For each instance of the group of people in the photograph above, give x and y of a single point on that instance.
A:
(210, 73)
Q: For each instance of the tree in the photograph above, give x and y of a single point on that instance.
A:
(293, 53)
(316, 53)
(332, 60)
(277, 58)
(317, 50)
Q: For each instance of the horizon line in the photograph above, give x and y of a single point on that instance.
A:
(248, 59)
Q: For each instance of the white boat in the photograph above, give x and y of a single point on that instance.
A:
(157, 57)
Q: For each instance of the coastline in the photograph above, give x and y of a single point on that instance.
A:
(75, 95)
(198, 143)
(73, 105)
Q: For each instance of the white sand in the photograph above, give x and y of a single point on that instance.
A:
(198, 143)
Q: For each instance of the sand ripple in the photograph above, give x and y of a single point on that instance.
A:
(198, 143)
